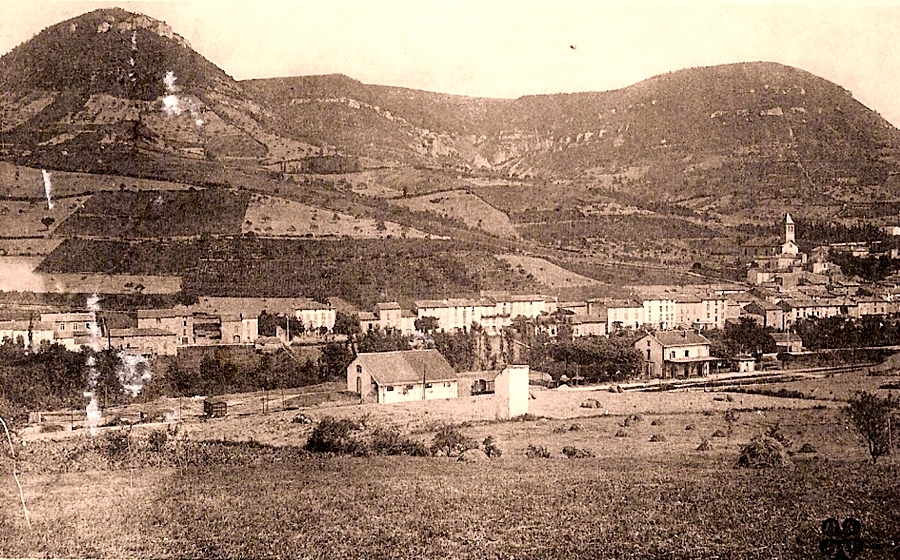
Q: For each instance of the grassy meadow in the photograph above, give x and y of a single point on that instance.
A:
(634, 498)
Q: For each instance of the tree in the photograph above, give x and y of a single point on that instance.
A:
(426, 324)
(871, 415)
(377, 340)
(346, 323)
(48, 221)
(333, 361)
(750, 336)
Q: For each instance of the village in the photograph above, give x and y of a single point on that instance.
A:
(670, 324)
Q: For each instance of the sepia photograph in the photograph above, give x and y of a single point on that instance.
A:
(409, 279)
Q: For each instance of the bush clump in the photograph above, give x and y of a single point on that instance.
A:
(333, 435)
(763, 452)
(576, 453)
(490, 448)
(450, 442)
(807, 448)
(349, 437)
(537, 452)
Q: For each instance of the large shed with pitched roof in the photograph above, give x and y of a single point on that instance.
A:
(409, 375)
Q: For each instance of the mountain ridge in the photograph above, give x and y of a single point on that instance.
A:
(716, 139)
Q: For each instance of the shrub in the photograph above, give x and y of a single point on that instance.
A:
(871, 415)
(156, 440)
(763, 452)
(689, 427)
(537, 452)
(575, 427)
(490, 449)
(334, 436)
(451, 442)
(657, 422)
(807, 448)
(718, 433)
(575, 453)
(117, 442)
(657, 437)
(621, 433)
(389, 441)
(591, 403)
(704, 446)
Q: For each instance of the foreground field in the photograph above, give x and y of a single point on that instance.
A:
(242, 487)
(404, 507)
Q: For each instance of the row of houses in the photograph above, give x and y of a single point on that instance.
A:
(493, 311)
(782, 312)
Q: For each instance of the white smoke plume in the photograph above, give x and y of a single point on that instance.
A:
(133, 373)
(131, 60)
(169, 79)
(94, 415)
(48, 188)
(176, 106)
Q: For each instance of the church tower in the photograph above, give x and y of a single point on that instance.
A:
(788, 229)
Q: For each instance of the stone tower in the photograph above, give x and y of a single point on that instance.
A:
(788, 229)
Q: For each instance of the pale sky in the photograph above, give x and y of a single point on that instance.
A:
(507, 48)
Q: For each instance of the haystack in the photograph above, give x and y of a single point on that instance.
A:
(704, 446)
(473, 456)
(763, 452)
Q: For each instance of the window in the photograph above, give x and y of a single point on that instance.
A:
(158, 320)
(409, 387)
(87, 326)
(389, 388)
(428, 385)
(447, 384)
(687, 353)
(672, 354)
(358, 368)
(62, 326)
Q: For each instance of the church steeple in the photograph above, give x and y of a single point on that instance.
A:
(788, 229)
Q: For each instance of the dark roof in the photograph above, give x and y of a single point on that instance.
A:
(680, 338)
(407, 366)
(161, 313)
(123, 333)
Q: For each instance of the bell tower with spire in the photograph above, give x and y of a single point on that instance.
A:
(788, 229)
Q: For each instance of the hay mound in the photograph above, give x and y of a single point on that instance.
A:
(689, 427)
(473, 456)
(704, 446)
(576, 453)
(657, 422)
(763, 452)
(808, 448)
(718, 433)
(657, 437)
(621, 433)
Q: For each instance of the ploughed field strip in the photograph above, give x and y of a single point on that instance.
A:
(153, 214)
(267, 267)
